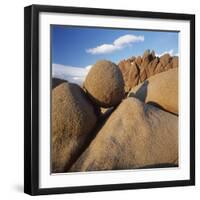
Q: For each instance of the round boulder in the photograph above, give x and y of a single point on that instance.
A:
(104, 84)
(73, 118)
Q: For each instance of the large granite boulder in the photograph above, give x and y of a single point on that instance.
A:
(104, 84)
(160, 90)
(136, 135)
(73, 119)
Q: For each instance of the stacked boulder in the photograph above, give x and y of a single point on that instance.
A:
(139, 130)
(75, 111)
(104, 84)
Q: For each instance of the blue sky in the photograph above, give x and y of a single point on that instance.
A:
(82, 46)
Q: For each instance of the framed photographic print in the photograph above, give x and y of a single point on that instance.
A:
(109, 100)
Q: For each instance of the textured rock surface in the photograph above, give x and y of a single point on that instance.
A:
(160, 89)
(175, 62)
(104, 84)
(137, 70)
(136, 135)
(73, 118)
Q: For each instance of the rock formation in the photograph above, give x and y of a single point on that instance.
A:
(73, 118)
(136, 135)
(137, 69)
(97, 127)
(104, 84)
(160, 89)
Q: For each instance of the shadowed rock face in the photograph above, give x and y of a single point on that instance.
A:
(135, 135)
(104, 84)
(138, 69)
(73, 119)
(56, 82)
(160, 89)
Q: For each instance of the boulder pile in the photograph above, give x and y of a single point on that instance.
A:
(136, 135)
(98, 127)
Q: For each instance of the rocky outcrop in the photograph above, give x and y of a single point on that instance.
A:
(73, 119)
(104, 84)
(130, 72)
(137, 69)
(160, 90)
(136, 135)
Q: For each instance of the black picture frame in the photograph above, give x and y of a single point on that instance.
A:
(31, 98)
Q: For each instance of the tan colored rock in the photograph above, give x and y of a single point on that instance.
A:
(165, 59)
(151, 67)
(104, 84)
(73, 118)
(130, 73)
(164, 63)
(147, 65)
(138, 61)
(143, 74)
(160, 89)
(175, 62)
(146, 59)
(146, 55)
(125, 67)
(136, 135)
(132, 59)
(133, 75)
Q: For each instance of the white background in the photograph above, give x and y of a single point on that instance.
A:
(11, 99)
(76, 179)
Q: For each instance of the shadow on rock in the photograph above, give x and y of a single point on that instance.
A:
(141, 93)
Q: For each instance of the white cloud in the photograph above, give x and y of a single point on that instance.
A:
(72, 74)
(118, 44)
(170, 52)
(88, 67)
(127, 39)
